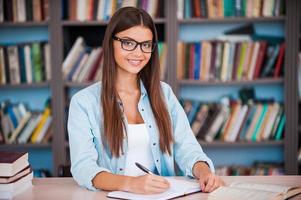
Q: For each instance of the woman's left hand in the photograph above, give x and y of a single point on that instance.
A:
(209, 182)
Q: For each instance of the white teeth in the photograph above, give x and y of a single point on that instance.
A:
(135, 62)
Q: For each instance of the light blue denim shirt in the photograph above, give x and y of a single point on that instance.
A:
(89, 156)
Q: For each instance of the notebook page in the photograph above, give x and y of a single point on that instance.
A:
(186, 186)
(265, 187)
(177, 188)
(231, 193)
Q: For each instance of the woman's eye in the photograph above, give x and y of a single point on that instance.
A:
(129, 43)
(147, 45)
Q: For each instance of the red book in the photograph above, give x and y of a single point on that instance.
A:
(260, 59)
(279, 61)
(197, 8)
(72, 10)
(95, 67)
(45, 9)
(90, 10)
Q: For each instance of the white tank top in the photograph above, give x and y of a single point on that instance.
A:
(139, 150)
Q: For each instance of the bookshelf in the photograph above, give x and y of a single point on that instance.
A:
(240, 144)
(288, 82)
(291, 86)
(247, 83)
(45, 84)
(229, 20)
(17, 33)
(63, 33)
(24, 24)
(24, 147)
(299, 108)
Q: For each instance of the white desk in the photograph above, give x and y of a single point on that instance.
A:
(67, 188)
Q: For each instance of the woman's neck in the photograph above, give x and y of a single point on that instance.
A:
(127, 83)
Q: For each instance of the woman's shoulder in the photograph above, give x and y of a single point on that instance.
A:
(90, 93)
(166, 89)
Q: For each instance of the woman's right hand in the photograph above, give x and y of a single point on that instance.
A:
(148, 184)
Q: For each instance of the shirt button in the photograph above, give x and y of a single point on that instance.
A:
(120, 169)
(142, 109)
(154, 144)
(157, 160)
(149, 126)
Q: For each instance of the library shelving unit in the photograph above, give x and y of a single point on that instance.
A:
(24, 87)
(63, 33)
(299, 108)
(289, 81)
(291, 86)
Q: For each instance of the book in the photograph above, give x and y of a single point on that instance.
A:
(37, 62)
(177, 188)
(29, 128)
(11, 179)
(37, 131)
(246, 191)
(10, 190)
(13, 61)
(12, 162)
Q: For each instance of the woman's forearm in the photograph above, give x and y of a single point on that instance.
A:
(110, 182)
(146, 184)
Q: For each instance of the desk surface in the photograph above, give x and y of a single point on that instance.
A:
(67, 188)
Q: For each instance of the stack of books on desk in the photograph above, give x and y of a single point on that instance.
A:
(15, 174)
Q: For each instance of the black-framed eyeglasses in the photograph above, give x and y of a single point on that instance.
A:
(131, 45)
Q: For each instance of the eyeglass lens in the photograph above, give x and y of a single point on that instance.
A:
(131, 45)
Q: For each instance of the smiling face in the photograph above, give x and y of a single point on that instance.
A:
(132, 62)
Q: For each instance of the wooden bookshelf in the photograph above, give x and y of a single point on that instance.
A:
(26, 147)
(288, 82)
(25, 86)
(57, 30)
(100, 23)
(85, 23)
(67, 144)
(230, 20)
(229, 83)
(24, 24)
(240, 144)
(70, 84)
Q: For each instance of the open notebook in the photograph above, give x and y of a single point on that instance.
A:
(177, 188)
(249, 191)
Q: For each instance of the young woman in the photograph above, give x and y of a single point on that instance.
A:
(133, 117)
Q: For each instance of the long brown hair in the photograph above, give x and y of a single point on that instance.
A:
(114, 126)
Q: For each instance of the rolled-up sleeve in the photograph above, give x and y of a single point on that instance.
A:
(83, 153)
(187, 150)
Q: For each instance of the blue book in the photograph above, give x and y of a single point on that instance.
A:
(279, 132)
(259, 122)
(195, 107)
(187, 9)
(22, 64)
(12, 115)
(197, 56)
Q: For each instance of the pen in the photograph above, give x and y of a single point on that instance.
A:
(143, 168)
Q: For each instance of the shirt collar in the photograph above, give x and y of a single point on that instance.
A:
(142, 89)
